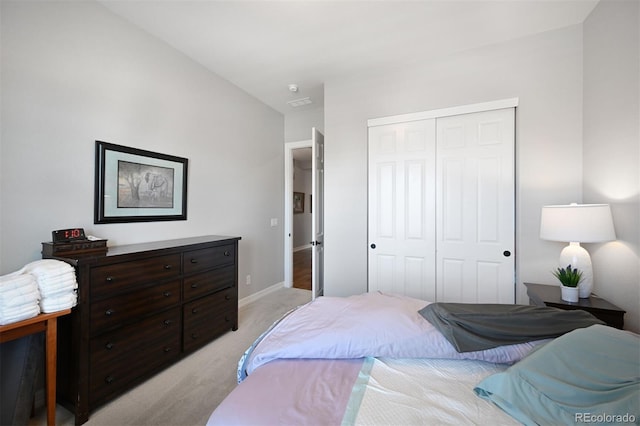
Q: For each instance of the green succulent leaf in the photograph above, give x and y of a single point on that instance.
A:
(568, 277)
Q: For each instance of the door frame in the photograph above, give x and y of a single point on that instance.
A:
(288, 207)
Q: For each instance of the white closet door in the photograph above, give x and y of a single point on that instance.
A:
(475, 199)
(401, 209)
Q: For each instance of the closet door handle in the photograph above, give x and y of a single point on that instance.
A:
(506, 253)
(373, 246)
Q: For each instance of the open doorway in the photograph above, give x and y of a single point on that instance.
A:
(298, 217)
(302, 236)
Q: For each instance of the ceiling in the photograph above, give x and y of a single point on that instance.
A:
(264, 46)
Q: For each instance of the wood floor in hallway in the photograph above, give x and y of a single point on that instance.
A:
(302, 269)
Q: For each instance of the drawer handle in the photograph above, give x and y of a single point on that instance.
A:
(194, 335)
(111, 279)
(109, 312)
(226, 253)
(167, 322)
(109, 379)
(167, 293)
(167, 349)
(227, 297)
(194, 285)
(109, 346)
(226, 319)
(194, 260)
(194, 311)
(167, 267)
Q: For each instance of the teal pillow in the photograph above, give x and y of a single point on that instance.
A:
(590, 375)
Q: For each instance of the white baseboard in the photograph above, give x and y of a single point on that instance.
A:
(255, 296)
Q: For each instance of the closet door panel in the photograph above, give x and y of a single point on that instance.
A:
(475, 206)
(401, 214)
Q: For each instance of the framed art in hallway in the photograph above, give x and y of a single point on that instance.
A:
(134, 185)
(298, 202)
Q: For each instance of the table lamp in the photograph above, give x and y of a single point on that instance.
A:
(575, 224)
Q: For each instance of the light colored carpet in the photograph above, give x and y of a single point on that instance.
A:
(187, 392)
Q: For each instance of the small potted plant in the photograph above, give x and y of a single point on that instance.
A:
(569, 280)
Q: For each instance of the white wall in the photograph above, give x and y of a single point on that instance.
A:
(298, 124)
(612, 147)
(543, 71)
(73, 73)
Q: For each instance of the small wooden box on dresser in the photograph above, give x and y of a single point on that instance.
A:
(142, 307)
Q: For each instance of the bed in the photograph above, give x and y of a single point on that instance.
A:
(386, 359)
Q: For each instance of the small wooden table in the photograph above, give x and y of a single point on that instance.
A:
(549, 295)
(49, 324)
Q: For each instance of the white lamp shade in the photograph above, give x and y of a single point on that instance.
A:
(582, 223)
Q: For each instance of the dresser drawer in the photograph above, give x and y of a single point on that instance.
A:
(203, 259)
(114, 347)
(111, 279)
(128, 307)
(208, 317)
(208, 282)
(148, 352)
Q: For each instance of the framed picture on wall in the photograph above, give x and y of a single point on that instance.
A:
(134, 185)
(298, 202)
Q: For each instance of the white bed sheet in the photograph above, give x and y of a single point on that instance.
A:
(422, 392)
(352, 392)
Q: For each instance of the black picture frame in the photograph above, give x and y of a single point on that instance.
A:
(135, 185)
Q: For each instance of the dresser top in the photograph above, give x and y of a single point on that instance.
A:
(165, 244)
(131, 251)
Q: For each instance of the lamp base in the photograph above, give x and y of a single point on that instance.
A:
(578, 257)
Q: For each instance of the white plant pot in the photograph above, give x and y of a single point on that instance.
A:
(570, 294)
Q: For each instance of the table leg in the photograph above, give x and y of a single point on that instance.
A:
(52, 331)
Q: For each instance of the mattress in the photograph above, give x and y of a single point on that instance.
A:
(362, 391)
(373, 359)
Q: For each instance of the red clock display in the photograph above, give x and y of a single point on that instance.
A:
(66, 235)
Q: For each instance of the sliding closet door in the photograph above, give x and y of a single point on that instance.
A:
(475, 199)
(401, 209)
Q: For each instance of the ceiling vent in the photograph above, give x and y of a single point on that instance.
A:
(299, 102)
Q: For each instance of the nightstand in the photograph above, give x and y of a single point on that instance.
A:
(549, 295)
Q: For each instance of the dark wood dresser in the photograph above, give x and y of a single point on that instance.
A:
(142, 307)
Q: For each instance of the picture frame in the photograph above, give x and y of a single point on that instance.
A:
(298, 202)
(135, 185)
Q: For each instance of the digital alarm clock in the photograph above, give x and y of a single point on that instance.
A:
(67, 235)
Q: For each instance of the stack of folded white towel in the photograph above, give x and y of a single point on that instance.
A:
(48, 284)
(56, 282)
(19, 298)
